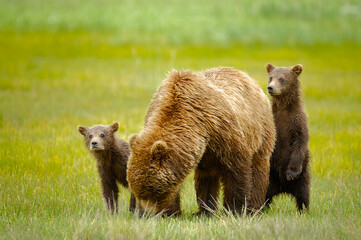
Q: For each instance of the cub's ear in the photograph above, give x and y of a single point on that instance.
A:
(297, 69)
(82, 130)
(158, 151)
(132, 139)
(114, 127)
(270, 67)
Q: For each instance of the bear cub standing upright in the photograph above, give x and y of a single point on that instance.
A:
(112, 156)
(289, 171)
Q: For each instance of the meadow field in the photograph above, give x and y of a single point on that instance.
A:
(66, 63)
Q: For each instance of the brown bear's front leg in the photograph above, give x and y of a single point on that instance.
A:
(132, 203)
(207, 188)
(299, 139)
(175, 208)
(237, 189)
(110, 193)
(294, 167)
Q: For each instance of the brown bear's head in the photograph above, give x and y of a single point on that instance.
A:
(99, 137)
(151, 177)
(282, 79)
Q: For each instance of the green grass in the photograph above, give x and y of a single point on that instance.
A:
(65, 63)
(192, 22)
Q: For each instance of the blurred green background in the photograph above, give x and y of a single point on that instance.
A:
(66, 63)
(200, 22)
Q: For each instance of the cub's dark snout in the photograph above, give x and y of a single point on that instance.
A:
(94, 144)
(270, 89)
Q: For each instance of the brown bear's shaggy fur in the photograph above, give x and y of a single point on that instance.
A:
(290, 159)
(112, 156)
(218, 123)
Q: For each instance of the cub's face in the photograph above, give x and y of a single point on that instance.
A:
(282, 79)
(151, 179)
(99, 137)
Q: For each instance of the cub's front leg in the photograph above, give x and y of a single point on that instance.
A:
(299, 148)
(110, 194)
(294, 167)
(110, 189)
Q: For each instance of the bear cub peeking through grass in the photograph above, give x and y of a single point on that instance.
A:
(112, 156)
(290, 159)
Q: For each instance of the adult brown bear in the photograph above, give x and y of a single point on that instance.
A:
(218, 123)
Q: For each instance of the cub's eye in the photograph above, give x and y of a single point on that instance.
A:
(270, 78)
(90, 136)
(142, 197)
(281, 79)
(102, 135)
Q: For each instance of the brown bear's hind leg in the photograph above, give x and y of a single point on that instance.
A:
(260, 177)
(302, 202)
(207, 188)
(302, 191)
(237, 188)
(273, 188)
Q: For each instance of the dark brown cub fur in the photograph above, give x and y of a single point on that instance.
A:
(290, 159)
(112, 156)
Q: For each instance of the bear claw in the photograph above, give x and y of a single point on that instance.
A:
(292, 175)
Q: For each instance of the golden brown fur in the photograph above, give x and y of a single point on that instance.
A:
(218, 123)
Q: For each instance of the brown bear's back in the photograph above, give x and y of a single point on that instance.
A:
(232, 107)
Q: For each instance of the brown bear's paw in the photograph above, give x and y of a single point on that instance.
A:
(202, 214)
(293, 173)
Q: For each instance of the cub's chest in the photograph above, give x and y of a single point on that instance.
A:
(283, 122)
(281, 118)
